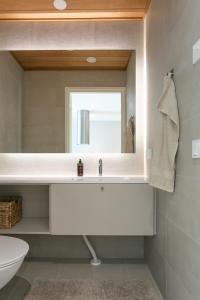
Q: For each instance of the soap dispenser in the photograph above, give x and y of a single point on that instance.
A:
(80, 167)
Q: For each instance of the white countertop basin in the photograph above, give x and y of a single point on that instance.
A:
(50, 179)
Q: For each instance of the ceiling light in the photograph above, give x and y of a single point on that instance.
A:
(91, 60)
(60, 4)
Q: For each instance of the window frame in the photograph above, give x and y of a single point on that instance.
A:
(68, 114)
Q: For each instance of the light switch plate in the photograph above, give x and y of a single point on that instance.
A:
(196, 149)
(196, 52)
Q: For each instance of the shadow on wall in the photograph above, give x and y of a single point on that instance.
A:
(73, 247)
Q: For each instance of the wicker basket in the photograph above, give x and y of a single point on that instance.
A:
(10, 211)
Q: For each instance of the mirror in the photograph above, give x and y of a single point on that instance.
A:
(68, 101)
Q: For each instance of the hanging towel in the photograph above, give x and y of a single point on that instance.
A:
(130, 136)
(162, 173)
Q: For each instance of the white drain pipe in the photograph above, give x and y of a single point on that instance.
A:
(95, 261)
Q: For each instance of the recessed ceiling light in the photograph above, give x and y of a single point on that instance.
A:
(60, 4)
(91, 59)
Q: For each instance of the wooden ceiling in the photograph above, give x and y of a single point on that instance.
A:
(76, 9)
(73, 60)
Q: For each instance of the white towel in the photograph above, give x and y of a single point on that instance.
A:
(162, 173)
(130, 136)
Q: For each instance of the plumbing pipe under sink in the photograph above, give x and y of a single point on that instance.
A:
(94, 261)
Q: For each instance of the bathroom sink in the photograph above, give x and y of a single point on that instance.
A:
(49, 179)
(109, 179)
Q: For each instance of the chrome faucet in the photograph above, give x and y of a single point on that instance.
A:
(100, 167)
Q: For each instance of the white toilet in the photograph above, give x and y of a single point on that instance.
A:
(12, 254)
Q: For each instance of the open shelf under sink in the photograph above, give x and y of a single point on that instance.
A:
(29, 226)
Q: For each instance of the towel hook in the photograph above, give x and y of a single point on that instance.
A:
(171, 73)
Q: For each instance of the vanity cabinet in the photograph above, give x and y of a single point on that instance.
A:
(96, 209)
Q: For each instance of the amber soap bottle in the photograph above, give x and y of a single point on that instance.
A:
(80, 167)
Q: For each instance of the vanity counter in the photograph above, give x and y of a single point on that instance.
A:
(46, 179)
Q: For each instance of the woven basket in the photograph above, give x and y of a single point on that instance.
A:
(10, 211)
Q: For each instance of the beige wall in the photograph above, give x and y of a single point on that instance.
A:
(86, 35)
(174, 254)
(11, 76)
(66, 35)
(44, 104)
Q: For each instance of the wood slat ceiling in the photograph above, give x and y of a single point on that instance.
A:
(73, 60)
(76, 9)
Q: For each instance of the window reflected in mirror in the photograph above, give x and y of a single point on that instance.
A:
(95, 121)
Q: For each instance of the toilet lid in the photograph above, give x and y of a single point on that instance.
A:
(11, 250)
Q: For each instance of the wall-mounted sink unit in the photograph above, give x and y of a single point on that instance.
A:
(96, 209)
(89, 207)
(50, 179)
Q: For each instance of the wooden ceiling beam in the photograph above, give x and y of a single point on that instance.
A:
(76, 10)
(47, 5)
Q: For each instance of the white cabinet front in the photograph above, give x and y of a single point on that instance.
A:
(95, 209)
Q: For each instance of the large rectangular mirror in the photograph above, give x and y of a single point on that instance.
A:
(68, 101)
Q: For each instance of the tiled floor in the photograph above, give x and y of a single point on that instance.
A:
(55, 271)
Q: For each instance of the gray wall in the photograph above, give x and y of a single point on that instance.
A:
(11, 76)
(75, 34)
(73, 247)
(44, 104)
(174, 254)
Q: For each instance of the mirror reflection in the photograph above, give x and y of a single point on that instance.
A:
(95, 120)
(67, 101)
